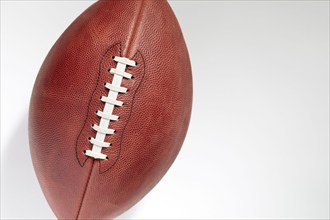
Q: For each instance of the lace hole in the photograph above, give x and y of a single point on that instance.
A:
(84, 151)
(107, 158)
(113, 57)
(89, 138)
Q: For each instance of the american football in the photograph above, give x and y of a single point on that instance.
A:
(110, 108)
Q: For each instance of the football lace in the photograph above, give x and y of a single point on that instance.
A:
(106, 115)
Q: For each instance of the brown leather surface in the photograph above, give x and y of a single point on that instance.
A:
(153, 121)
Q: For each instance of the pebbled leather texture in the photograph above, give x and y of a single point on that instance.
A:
(153, 121)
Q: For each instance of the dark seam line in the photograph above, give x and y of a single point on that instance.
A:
(85, 190)
(83, 198)
(88, 111)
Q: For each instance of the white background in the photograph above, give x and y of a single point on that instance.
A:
(258, 144)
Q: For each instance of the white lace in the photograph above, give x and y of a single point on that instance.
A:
(110, 102)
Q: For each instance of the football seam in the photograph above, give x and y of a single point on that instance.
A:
(85, 190)
(134, 31)
(90, 174)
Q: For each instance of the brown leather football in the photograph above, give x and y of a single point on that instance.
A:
(110, 108)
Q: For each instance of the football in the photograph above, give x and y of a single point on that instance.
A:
(110, 108)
